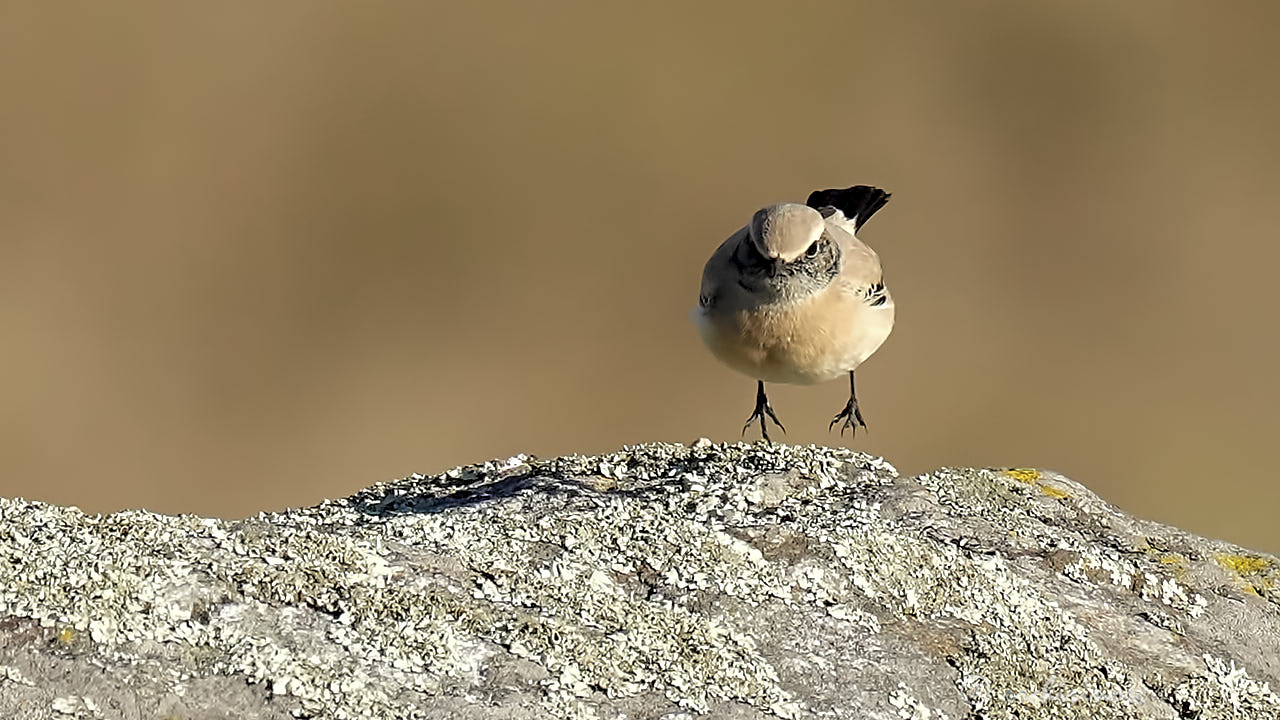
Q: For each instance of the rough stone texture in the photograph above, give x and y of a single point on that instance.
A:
(735, 581)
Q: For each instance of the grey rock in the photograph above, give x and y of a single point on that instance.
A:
(661, 581)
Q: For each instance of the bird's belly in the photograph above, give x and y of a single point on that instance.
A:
(801, 345)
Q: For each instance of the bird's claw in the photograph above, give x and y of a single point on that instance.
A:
(763, 413)
(852, 417)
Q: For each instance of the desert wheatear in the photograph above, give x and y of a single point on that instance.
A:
(796, 297)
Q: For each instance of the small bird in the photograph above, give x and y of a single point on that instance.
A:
(796, 297)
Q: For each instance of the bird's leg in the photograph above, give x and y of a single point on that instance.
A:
(851, 415)
(763, 408)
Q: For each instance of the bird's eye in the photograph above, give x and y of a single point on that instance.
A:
(812, 251)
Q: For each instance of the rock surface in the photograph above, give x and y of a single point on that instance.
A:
(662, 581)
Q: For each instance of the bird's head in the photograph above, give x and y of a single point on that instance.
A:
(786, 254)
(786, 232)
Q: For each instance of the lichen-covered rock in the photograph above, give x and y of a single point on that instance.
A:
(662, 581)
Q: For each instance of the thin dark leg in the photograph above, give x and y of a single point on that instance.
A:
(763, 408)
(851, 415)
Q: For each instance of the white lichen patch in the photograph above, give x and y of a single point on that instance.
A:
(1011, 618)
(75, 706)
(621, 641)
(1223, 690)
(910, 708)
(1137, 576)
(12, 674)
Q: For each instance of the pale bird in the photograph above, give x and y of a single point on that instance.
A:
(796, 297)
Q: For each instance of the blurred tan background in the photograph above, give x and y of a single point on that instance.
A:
(257, 254)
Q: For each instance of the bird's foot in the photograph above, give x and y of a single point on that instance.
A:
(852, 417)
(763, 413)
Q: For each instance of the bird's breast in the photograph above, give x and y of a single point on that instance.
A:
(810, 341)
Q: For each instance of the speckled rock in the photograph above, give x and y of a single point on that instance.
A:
(661, 581)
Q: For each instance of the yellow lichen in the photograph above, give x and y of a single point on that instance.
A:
(1032, 476)
(1026, 475)
(1244, 564)
(1054, 492)
(1177, 563)
(66, 636)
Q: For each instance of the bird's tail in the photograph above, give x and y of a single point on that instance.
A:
(858, 203)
